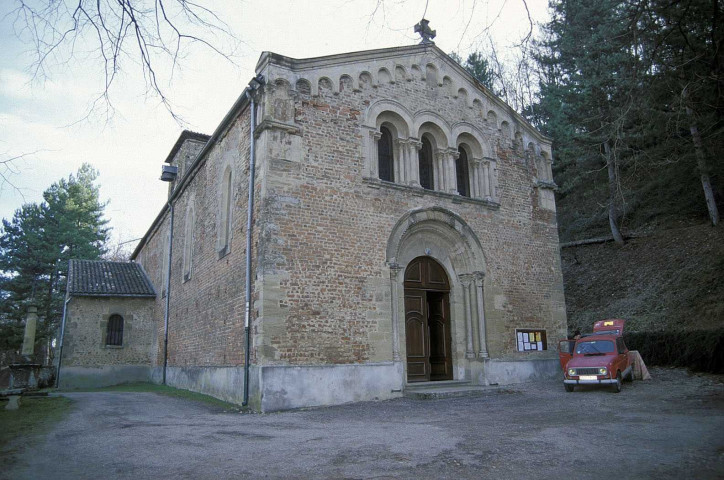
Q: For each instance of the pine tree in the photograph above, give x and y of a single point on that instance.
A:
(35, 247)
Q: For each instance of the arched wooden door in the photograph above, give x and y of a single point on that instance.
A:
(427, 321)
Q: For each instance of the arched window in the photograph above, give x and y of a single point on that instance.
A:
(384, 156)
(225, 214)
(426, 170)
(462, 172)
(114, 331)
(188, 242)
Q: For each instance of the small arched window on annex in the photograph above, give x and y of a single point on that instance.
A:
(188, 241)
(114, 331)
(225, 213)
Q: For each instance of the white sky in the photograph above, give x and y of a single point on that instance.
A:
(40, 119)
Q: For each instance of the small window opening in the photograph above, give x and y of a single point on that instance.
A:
(114, 332)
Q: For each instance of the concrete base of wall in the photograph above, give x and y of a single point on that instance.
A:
(287, 387)
(225, 383)
(506, 372)
(92, 377)
(279, 387)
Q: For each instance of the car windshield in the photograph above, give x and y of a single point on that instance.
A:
(594, 347)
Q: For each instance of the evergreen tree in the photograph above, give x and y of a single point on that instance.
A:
(478, 66)
(35, 247)
(632, 94)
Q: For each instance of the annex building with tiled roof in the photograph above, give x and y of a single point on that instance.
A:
(400, 229)
(107, 333)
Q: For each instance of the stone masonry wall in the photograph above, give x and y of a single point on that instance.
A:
(326, 290)
(206, 320)
(84, 341)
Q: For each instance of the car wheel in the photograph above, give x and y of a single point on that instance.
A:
(569, 388)
(617, 385)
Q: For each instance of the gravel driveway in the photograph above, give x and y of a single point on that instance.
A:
(669, 427)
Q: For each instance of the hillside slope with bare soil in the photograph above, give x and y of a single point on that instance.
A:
(668, 279)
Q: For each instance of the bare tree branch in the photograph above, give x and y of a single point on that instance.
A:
(152, 34)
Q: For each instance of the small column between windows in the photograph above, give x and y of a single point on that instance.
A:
(374, 152)
(452, 177)
(413, 149)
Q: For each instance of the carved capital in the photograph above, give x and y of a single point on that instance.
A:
(466, 279)
(376, 135)
(415, 143)
(455, 154)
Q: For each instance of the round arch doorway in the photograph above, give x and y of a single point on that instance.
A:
(427, 321)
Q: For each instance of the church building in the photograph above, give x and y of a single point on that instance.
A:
(401, 228)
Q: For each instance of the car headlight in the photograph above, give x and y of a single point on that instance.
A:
(602, 371)
(571, 371)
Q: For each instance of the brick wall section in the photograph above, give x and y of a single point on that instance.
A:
(206, 321)
(331, 228)
(84, 341)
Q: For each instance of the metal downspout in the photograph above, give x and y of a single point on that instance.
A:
(62, 334)
(249, 217)
(168, 294)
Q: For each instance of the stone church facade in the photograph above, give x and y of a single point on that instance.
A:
(404, 230)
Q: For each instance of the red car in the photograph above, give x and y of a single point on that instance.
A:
(600, 358)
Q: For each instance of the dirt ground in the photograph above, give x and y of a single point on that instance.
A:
(669, 427)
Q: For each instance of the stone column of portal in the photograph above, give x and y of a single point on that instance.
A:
(492, 175)
(373, 153)
(31, 322)
(483, 353)
(452, 174)
(413, 149)
(395, 291)
(467, 281)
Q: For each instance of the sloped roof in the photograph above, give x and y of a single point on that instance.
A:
(96, 278)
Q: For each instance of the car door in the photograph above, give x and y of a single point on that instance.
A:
(565, 352)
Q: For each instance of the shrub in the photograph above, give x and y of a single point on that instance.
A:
(699, 350)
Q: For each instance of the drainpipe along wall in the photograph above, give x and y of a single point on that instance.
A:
(249, 217)
(168, 292)
(62, 334)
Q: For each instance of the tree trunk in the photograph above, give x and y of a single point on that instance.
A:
(702, 166)
(612, 215)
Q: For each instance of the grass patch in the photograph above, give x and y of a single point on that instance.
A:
(35, 415)
(144, 387)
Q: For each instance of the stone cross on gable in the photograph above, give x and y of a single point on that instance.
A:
(427, 34)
